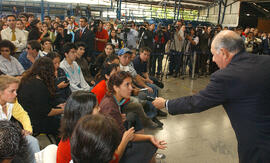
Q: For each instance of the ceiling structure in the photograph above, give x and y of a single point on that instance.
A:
(187, 4)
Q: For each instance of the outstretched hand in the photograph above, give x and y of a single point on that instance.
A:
(159, 102)
(160, 144)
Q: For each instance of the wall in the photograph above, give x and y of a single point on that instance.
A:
(264, 25)
(231, 18)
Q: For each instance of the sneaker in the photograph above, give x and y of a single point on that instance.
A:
(160, 156)
(160, 124)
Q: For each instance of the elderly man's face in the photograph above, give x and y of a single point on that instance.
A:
(220, 58)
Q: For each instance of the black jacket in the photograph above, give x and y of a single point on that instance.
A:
(88, 37)
(244, 91)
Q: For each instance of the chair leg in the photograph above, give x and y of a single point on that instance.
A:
(50, 138)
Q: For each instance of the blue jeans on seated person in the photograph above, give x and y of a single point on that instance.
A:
(32, 148)
(155, 90)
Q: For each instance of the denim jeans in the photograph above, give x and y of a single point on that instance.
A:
(32, 148)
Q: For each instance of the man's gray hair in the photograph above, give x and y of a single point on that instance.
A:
(228, 40)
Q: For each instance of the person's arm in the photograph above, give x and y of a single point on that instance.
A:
(127, 137)
(22, 43)
(54, 112)
(84, 84)
(19, 67)
(22, 116)
(139, 80)
(159, 144)
(213, 95)
(147, 79)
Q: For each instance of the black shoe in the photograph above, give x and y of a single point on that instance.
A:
(161, 113)
(152, 125)
(175, 75)
(159, 84)
(160, 124)
(170, 73)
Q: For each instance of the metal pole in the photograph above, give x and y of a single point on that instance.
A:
(24, 6)
(1, 7)
(219, 12)
(224, 10)
(42, 10)
(179, 1)
(71, 10)
(48, 8)
(174, 10)
(165, 15)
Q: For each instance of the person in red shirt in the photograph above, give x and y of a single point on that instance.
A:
(95, 139)
(80, 103)
(101, 88)
(101, 38)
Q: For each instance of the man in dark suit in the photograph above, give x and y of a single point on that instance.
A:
(83, 34)
(242, 87)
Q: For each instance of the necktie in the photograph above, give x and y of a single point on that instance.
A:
(13, 37)
(80, 33)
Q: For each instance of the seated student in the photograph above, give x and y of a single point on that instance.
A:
(62, 90)
(140, 63)
(46, 46)
(80, 103)
(10, 108)
(72, 69)
(101, 88)
(119, 88)
(9, 65)
(27, 58)
(100, 91)
(14, 145)
(109, 50)
(82, 62)
(95, 139)
(35, 94)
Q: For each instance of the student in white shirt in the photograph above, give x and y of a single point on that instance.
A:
(72, 69)
(9, 65)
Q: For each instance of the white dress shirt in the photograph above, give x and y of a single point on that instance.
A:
(11, 67)
(21, 40)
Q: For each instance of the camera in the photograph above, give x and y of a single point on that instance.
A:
(95, 25)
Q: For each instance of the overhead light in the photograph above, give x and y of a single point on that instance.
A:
(248, 14)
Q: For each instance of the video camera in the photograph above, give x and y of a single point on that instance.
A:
(95, 25)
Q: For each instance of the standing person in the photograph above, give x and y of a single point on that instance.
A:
(86, 36)
(13, 34)
(72, 69)
(36, 93)
(113, 39)
(101, 38)
(176, 49)
(62, 37)
(245, 101)
(9, 65)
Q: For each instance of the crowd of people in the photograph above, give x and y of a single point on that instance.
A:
(68, 79)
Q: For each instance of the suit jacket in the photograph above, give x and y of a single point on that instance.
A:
(88, 37)
(244, 91)
(265, 46)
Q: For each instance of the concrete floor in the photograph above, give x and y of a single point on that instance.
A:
(205, 137)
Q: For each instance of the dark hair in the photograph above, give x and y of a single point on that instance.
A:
(109, 44)
(53, 55)
(34, 45)
(110, 37)
(20, 20)
(8, 44)
(23, 16)
(116, 80)
(106, 69)
(145, 49)
(45, 24)
(44, 68)
(10, 16)
(94, 139)
(67, 47)
(48, 17)
(45, 40)
(58, 17)
(34, 23)
(60, 26)
(12, 141)
(79, 103)
(79, 44)
(111, 58)
(84, 18)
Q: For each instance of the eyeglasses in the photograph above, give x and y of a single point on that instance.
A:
(13, 20)
(28, 48)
